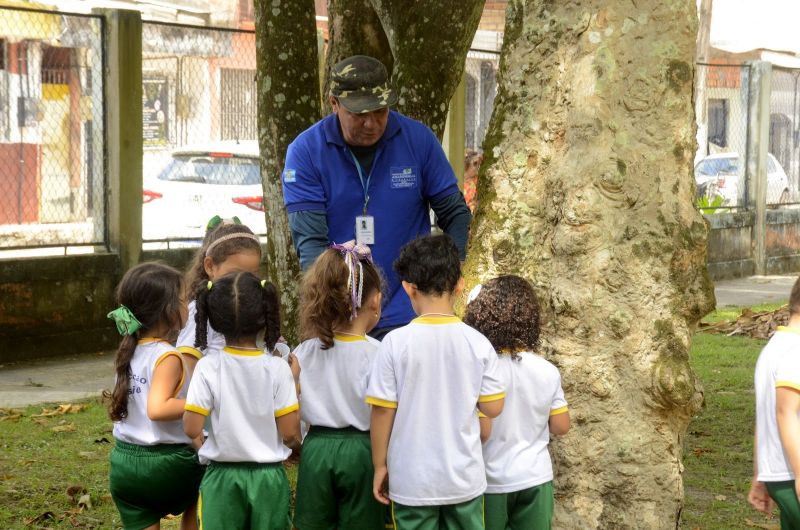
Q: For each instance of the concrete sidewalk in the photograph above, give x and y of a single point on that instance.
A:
(65, 380)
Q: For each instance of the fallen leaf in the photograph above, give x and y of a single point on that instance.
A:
(67, 408)
(11, 417)
(42, 517)
(75, 490)
(39, 421)
(721, 497)
(85, 502)
(69, 427)
(102, 440)
(754, 524)
(31, 382)
(700, 450)
(86, 454)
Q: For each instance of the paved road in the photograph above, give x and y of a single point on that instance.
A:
(65, 380)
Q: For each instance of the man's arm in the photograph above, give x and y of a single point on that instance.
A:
(310, 235)
(453, 217)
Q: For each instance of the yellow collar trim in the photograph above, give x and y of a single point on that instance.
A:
(242, 352)
(150, 340)
(788, 329)
(436, 319)
(350, 338)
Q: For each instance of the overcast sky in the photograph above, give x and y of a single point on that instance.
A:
(742, 25)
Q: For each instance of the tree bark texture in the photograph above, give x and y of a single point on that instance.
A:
(429, 42)
(353, 29)
(287, 77)
(587, 190)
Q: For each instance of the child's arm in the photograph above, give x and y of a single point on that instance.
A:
(559, 422)
(162, 405)
(294, 364)
(758, 497)
(190, 361)
(380, 429)
(788, 407)
(493, 408)
(193, 425)
(486, 428)
(289, 428)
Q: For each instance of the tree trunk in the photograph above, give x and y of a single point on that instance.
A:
(587, 189)
(429, 42)
(287, 78)
(353, 29)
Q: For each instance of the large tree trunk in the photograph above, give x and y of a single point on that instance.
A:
(587, 190)
(287, 78)
(353, 29)
(429, 42)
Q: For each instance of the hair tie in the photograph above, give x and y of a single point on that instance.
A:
(473, 294)
(263, 284)
(215, 221)
(209, 285)
(237, 235)
(126, 321)
(353, 254)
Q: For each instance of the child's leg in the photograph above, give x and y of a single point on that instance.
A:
(189, 518)
(463, 516)
(416, 517)
(532, 509)
(496, 510)
(268, 496)
(783, 493)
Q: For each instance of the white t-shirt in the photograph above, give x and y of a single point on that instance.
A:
(434, 371)
(137, 428)
(516, 454)
(243, 392)
(333, 382)
(185, 342)
(777, 366)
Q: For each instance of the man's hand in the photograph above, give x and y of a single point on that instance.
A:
(380, 485)
(759, 497)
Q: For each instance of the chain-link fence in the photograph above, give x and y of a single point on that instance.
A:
(783, 171)
(51, 130)
(200, 134)
(481, 79)
(720, 165)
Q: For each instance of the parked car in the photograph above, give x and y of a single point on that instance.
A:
(719, 174)
(198, 182)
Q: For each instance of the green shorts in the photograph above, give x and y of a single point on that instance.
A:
(460, 516)
(244, 495)
(785, 497)
(529, 509)
(148, 482)
(334, 482)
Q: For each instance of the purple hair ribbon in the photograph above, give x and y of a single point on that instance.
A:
(353, 254)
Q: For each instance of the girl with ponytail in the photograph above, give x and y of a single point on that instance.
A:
(250, 399)
(340, 303)
(154, 470)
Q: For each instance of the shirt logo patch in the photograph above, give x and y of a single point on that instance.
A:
(289, 175)
(404, 178)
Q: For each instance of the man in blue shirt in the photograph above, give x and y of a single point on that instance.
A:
(371, 174)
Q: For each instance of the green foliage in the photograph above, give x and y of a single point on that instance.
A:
(711, 205)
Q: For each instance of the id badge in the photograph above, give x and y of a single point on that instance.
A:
(365, 230)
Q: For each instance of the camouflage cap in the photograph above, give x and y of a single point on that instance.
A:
(361, 84)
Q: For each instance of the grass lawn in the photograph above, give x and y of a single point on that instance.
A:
(43, 458)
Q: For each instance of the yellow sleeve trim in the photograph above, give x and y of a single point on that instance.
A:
(287, 410)
(183, 369)
(491, 397)
(198, 410)
(787, 384)
(381, 402)
(188, 350)
(560, 410)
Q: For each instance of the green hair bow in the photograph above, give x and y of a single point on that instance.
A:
(127, 323)
(215, 221)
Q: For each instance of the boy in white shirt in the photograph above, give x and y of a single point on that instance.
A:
(777, 439)
(426, 382)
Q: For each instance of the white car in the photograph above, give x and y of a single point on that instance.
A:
(721, 173)
(198, 182)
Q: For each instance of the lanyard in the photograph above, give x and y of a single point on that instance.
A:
(364, 185)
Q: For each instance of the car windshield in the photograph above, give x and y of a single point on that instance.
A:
(717, 166)
(209, 169)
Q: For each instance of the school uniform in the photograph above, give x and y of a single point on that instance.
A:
(154, 470)
(186, 337)
(519, 473)
(434, 372)
(334, 482)
(778, 366)
(243, 392)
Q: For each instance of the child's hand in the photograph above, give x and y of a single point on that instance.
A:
(380, 485)
(759, 497)
(294, 364)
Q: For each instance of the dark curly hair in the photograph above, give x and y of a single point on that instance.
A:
(238, 306)
(325, 298)
(506, 311)
(431, 263)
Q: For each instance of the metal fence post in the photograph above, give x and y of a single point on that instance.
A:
(760, 88)
(123, 94)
